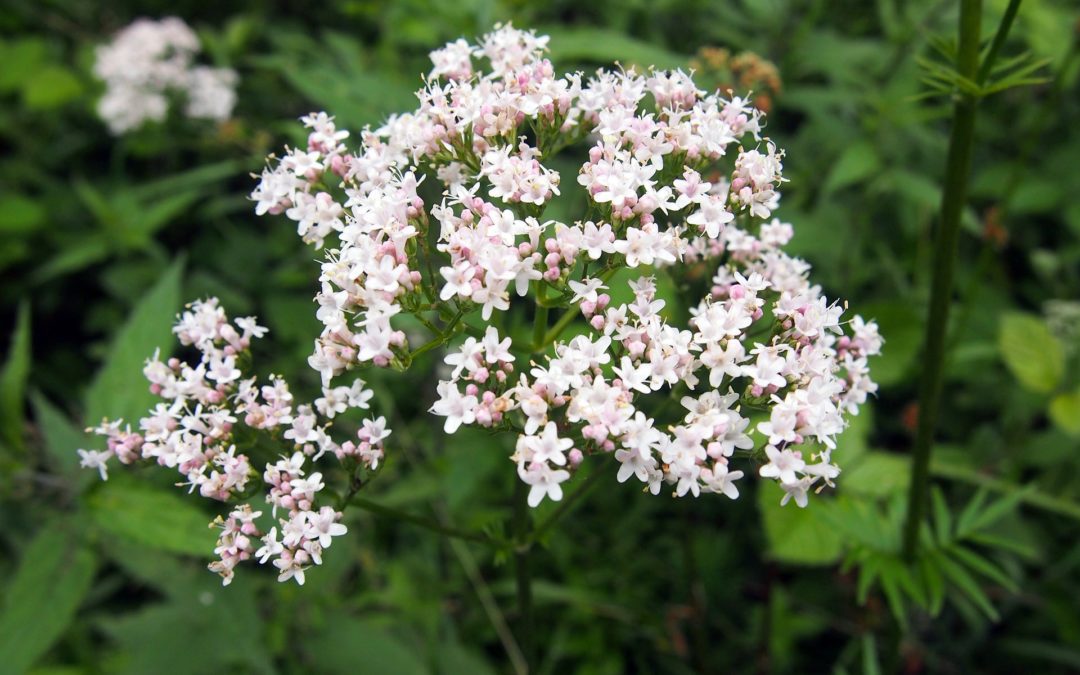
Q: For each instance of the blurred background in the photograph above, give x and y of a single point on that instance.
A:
(103, 238)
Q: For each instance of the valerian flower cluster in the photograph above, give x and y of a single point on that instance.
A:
(439, 214)
(209, 408)
(148, 64)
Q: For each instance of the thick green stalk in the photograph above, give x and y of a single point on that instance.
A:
(957, 170)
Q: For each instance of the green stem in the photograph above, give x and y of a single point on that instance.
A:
(568, 504)
(957, 170)
(540, 321)
(999, 40)
(567, 318)
(522, 572)
(552, 335)
(441, 337)
(421, 521)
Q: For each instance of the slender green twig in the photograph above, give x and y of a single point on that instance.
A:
(568, 504)
(523, 573)
(999, 41)
(957, 169)
(552, 335)
(540, 321)
(491, 608)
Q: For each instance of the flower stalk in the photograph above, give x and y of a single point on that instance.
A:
(957, 171)
(523, 572)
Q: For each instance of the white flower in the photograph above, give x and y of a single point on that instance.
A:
(457, 409)
(544, 482)
(783, 464)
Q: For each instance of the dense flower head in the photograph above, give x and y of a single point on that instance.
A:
(210, 407)
(150, 62)
(672, 176)
(439, 215)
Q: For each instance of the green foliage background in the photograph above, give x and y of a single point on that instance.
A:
(103, 239)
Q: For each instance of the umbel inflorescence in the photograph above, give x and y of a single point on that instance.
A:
(150, 63)
(671, 177)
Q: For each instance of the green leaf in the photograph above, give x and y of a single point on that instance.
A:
(51, 87)
(75, 256)
(53, 576)
(871, 664)
(20, 215)
(21, 59)
(966, 584)
(200, 628)
(851, 444)
(1031, 352)
(858, 162)
(794, 535)
(984, 567)
(573, 45)
(877, 474)
(120, 391)
(348, 645)
(61, 437)
(13, 381)
(942, 517)
(1065, 412)
(934, 583)
(150, 516)
(453, 658)
(900, 324)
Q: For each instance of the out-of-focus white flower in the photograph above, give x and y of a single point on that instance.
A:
(149, 62)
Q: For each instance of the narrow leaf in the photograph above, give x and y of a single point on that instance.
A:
(53, 576)
(153, 517)
(13, 381)
(119, 391)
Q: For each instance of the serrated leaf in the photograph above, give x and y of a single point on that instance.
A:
(153, 517)
(120, 391)
(1032, 353)
(41, 599)
(13, 381)
(794, 535)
